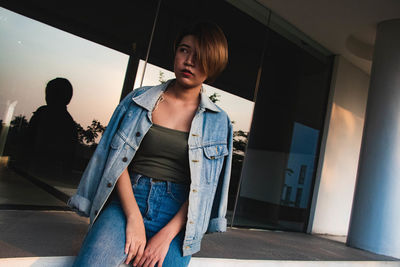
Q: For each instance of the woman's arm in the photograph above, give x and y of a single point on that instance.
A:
(158, 245)
(135, 233)
(175, 225)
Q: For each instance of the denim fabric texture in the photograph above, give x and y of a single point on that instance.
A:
(158, 203)
(210, 158)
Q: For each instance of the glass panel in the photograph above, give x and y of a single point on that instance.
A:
(46, 139)
(245, 47)
(236, 86)
(279, 169)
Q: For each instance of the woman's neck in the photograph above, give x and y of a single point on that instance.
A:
(187, 95)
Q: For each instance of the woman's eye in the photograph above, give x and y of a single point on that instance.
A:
(183, 50)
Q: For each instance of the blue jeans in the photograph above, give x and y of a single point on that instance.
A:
(158, 202)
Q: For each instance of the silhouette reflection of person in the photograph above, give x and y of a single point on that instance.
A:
(52, 133)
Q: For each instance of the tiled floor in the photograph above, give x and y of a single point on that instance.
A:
(59, 233)
(16, 190)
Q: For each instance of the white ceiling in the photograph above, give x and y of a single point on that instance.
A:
(345, 27)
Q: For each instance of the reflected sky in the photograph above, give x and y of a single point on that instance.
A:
(33, 53)
(240, 110)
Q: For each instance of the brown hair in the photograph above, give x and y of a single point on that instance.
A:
(212, 50)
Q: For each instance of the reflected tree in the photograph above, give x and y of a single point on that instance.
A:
(240, 139)
(19, 123)
(92, 132)
(214, 97)
(161, 77)
(87, 142)
(16, 133)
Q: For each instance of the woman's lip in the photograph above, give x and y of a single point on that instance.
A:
(187, 73)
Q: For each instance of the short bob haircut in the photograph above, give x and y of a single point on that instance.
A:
(212, 47)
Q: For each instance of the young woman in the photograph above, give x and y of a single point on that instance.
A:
(163, 164)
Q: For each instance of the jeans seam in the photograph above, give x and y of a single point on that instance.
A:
(136, 178)
(148, 201)
(169, 191)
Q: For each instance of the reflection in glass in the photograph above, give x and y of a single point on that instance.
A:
(5, 125)
(281, 158)
(51, 137)
(48, 142)
(301, 157)
(234, 90)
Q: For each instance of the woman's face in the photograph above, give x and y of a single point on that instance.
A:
(188, 71)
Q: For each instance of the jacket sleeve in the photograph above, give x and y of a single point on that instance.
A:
(81, 202)
(218, 220)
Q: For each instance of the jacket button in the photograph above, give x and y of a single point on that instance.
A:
(109, 184)
(138, 134)
(124, 159)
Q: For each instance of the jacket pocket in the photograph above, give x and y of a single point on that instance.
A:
(116, 145)
(117, 141)
(214, 158)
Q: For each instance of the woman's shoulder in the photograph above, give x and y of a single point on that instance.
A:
(221, 114)
(135, 92)
(140, 90)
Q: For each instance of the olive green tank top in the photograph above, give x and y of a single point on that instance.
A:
(163, 154)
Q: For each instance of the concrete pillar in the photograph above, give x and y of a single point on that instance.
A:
(375, 217)
(335, 191)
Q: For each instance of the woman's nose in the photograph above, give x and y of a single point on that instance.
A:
(189, 60)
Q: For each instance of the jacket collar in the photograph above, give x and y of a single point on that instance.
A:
(149, 98)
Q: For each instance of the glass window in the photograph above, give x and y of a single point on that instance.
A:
(234, 90)
(302, 174)
(276, 138)
(292, 81)
(50, 127)
(284, 138)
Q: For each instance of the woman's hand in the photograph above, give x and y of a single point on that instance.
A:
(135, 239)
(157, 247)
(156, 250)
(135, 235)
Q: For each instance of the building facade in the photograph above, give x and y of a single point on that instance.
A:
(306, 142)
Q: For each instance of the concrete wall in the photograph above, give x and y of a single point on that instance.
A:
(339, 168)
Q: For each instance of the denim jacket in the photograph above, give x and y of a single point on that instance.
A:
(210, 157)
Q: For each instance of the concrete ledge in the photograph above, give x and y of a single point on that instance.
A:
(201, 262)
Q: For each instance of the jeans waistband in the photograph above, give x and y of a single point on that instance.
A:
(135, 177)
(150, 182)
